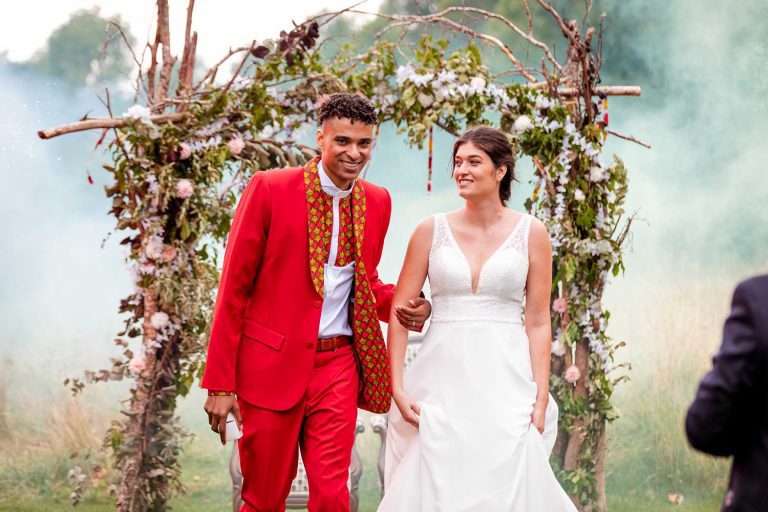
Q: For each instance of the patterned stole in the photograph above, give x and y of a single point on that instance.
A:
(370, 350)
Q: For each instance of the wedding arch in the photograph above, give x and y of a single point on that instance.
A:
(179, 163)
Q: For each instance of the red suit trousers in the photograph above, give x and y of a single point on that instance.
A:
(322, 424)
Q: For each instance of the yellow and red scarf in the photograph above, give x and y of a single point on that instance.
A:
(375, 384)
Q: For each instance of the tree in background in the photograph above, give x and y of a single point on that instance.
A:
(86, 50)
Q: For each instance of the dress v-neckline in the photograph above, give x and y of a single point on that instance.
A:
(475, 289)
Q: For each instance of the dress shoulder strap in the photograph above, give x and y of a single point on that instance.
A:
(440, 234)
(521, 233)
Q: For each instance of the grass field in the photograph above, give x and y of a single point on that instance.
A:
(672, 331)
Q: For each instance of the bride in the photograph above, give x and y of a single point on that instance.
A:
(473, 423)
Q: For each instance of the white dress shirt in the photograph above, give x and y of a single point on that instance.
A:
(338, 281)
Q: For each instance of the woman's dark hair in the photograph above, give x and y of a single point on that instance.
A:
(354, 107)
(495, 143)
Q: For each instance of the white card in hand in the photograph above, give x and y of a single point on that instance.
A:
(233, 433)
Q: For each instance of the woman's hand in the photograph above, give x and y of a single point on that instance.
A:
(538, 416)
(408, 407)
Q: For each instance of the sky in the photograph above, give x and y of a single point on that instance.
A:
(219, 24)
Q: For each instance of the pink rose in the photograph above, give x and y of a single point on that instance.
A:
(184, 189)
(572, 374)
(137, 364)
(185, 151)
(236, 145)
(560, 305)
(168, 254)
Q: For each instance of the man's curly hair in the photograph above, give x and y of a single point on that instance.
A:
(354, 107)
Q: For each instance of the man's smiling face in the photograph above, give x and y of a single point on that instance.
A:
(345, 147)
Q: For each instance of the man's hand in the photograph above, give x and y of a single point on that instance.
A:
(217, 408)
(413, 316)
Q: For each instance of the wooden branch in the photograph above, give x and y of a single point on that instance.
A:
(140, 79)
(528, 37)
(529, 16)
(188, 55)
(239, 67)
(608, 90)
(629, 138)
(211, 73)
(164, 35)
(457, 27)
(107, 122)
(573, 38)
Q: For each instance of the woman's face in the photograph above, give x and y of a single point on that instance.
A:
(476, 176)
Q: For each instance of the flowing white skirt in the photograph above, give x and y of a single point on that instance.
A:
(475, 449)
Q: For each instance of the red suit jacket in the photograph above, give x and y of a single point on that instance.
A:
(267, 314)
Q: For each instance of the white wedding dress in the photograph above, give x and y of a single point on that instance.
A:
(475, 449)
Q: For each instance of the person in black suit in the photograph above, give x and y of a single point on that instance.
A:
(729, 416)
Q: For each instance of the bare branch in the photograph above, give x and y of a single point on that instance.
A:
(242, 62)
(528, 37)
(629, 138)
(211, 73)
(567, 32)
(528, 15)
(457, 27)
(164, 36)
(136, 60)
(188, 55)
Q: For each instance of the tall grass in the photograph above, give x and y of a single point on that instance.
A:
(673, 325)
(43, 442)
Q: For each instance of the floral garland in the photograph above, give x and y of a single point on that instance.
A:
(175, 187)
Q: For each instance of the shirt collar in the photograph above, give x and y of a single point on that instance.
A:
(329, 187)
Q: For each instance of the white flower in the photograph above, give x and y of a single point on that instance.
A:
(570, 128)
(579, 195)
(154, 247)
(426, 100)
(185, 151)
(522, 124)
(404, 73)
(477, 83)
(558, 349)
(463, 89)
(543, 102)
(159, 320)
(422, 80)
(184, 189)
(446, 76)
(138, 112)
(553, 125)
(596, 173)
(236, 146)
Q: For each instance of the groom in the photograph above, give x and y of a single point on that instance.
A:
(296, 344)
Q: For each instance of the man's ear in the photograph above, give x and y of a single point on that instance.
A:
(319, 137)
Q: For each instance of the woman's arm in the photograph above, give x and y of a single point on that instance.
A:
(538, 323)
(409, 284)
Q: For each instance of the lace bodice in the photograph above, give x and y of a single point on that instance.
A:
(500, 284)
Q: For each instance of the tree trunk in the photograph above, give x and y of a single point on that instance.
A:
(602, 499)
(129, 497)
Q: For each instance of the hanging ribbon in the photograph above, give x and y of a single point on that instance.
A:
(93, 152)
(602, 113)
(429, 163)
